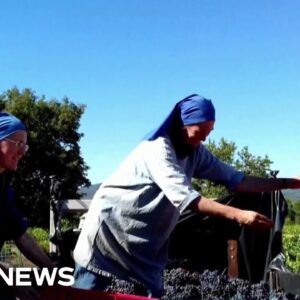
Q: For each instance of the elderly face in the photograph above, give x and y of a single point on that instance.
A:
(197, 133)
(12, 149)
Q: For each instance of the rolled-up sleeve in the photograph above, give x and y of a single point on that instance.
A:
(167, 173)
(211, 168)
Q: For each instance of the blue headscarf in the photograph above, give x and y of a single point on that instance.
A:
(193, 109)
(9, 124)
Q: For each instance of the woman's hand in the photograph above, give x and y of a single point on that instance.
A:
(253, 219)
(243, 217)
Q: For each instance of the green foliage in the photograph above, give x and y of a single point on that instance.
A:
(41, 236)
(251, 164)
(70, 221)
(293, 216)
(54, 151)
(7, 248)
(296, 205)
(291, 242)
(10, 254)
(242, 160)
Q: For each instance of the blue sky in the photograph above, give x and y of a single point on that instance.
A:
(130, 61)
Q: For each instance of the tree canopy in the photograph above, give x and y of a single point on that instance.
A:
(54, 151)
(242, 160)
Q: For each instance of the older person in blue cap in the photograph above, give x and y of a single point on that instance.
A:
(132, 215)
(13, 146)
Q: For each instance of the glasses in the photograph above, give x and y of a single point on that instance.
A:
(19, 145)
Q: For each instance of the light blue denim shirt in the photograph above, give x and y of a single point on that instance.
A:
(133, 213)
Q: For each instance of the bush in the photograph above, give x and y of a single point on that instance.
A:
(291, 244)
(41, 235)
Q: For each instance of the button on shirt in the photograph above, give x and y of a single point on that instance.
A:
(133, 213)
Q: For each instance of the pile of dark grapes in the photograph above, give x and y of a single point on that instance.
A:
(212, 285)
(182, 284)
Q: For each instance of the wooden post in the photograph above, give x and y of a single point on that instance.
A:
(232, 254)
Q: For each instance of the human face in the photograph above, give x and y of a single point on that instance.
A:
(197, 133)
(10, 152)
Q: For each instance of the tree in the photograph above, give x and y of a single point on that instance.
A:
(242, 160)
(53, 139)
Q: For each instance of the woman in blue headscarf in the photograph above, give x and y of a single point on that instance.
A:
(132, 215)
(13, 146)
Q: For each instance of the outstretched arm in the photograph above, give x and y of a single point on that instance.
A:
(259, 184)
(243, 217)
(29, 247)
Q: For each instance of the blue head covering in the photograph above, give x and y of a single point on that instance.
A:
(193, 109)
(9, 124)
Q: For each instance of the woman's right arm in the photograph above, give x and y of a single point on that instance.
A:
(244, 217)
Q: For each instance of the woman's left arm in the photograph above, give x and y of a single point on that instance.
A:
(260, 184)
(30, 248)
